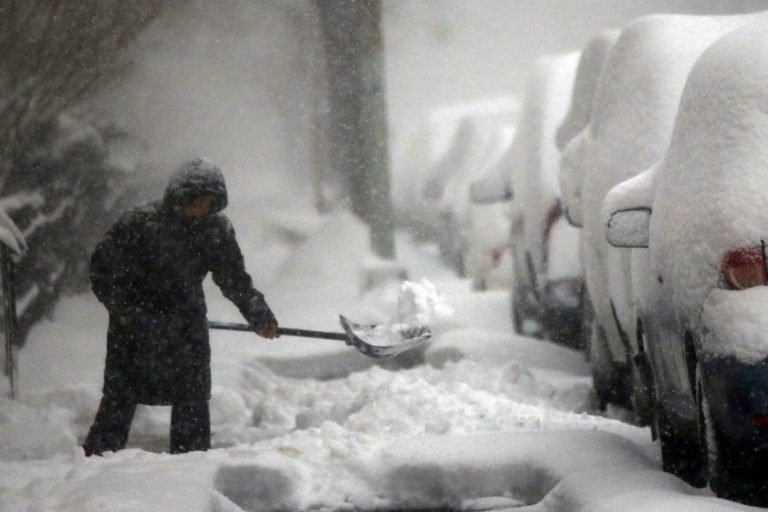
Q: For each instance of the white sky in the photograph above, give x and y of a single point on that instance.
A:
(448, 50)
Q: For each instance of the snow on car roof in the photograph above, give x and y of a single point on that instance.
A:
(710, 194)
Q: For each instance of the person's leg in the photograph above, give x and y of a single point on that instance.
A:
(111, 426)
(190, 427)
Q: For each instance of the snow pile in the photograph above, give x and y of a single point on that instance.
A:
(420, 305)
(420, 310)
(33, 432)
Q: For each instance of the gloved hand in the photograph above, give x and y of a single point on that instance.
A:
(261, 318)
(269, 331)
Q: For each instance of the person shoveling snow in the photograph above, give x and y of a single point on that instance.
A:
(148, 272)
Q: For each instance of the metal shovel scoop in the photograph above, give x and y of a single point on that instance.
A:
(363, 337)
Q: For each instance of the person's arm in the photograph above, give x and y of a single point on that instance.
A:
(229, 274)
(110, 267)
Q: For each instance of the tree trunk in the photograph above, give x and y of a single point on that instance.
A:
(357, 112)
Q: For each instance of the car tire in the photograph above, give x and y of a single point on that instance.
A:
(707, 436)
(643, 389)
(611, 381)
(681, 452)
(744, 486)
(522, 310)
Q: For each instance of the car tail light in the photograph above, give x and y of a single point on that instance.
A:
(496, 254)
(760, 421)
(744, 268)
(554, 213)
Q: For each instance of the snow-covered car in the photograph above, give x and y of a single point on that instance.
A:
(546, 266)
(703, 214)
(432, 152)
(459, 139)
(588, 74)
(629, 130)
(483, 218)
(452, 203)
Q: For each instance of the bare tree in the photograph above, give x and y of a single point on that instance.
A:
(354, 56)
(56, 53)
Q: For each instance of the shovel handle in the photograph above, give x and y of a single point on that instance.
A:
(283, 331)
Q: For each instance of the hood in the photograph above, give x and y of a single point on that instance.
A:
(194, 178)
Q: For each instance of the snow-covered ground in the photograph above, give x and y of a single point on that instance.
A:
(479, 419)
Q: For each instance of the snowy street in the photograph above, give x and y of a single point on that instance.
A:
(480, 419)
(551, 217)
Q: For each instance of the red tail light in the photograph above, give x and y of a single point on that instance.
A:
(554, 213)
(760, 421)
(496, 255)
(744, 268)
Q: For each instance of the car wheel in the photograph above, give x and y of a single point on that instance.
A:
(526, 319)
(611, 381)
(643, 391)
(707, 437)
(714, 451)
(681, 451)
(743, 485)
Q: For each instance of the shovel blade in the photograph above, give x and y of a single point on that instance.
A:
(375, 341)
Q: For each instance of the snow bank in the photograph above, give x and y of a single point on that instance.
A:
(34, 433)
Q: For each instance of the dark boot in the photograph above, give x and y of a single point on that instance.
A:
(190, 427)
(111, 426)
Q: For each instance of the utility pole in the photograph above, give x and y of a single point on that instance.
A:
(354, 54)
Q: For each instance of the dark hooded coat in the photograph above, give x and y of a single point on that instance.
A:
(148, 272)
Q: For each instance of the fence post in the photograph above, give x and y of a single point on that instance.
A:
(9, 319)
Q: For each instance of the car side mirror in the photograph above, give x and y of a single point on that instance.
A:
(629, 228)
(490, 191)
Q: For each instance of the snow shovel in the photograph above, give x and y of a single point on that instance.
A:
(362, 337)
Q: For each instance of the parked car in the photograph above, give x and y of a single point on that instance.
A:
(588, 75)
(488, 137)
(426, 157)
(483, 221)
(547, 270)
(432, 154)
(453, 147)
(702, 213)
(631, 122)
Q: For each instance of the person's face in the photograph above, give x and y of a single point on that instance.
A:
(198, 207)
